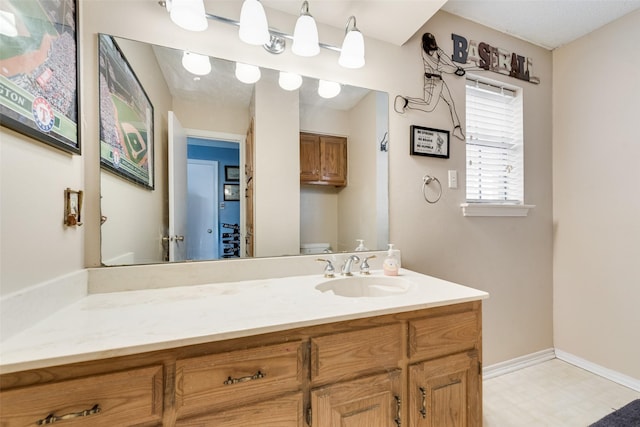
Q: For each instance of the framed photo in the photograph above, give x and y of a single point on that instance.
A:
(39, 78)
(429, 142)
(232, 173)
(126, 118)
(231, 192)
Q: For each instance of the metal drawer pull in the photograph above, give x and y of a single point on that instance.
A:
(52, 418)
(255, 376)
(423, 410)
(397, 419)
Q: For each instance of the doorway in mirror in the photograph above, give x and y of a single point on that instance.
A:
(213, 208)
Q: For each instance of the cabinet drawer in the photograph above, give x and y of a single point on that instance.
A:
(445, 334)
(285, 411)
(350, 354)
(123, 398)
(222, 380)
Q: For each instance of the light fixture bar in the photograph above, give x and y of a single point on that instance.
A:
(272, 31)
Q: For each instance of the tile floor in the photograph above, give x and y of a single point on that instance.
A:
(553, 394)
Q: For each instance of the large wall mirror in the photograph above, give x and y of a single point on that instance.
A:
(227, 164)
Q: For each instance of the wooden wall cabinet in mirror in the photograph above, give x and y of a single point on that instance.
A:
(323, 160)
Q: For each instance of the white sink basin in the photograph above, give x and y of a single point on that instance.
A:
(365, 286)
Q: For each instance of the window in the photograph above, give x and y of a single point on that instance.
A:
(494, 144)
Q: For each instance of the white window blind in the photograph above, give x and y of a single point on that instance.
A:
(494, 144)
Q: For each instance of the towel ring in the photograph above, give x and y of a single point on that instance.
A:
(426, 180)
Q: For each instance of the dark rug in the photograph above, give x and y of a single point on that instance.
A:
(627, 416)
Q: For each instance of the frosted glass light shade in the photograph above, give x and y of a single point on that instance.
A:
(247, 73)
(188, 14)
(327, 89)
(305, 37)
(289, 81)
(253, 23)
(352, 53)
(196, 64)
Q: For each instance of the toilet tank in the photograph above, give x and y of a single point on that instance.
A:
(314, 248)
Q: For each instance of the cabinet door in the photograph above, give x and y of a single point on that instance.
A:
(366, 402)
(285, 411)
(309, 157)
(445, 392)
(333, 160)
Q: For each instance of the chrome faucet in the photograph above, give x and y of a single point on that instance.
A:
(329, 271)
(364, 267)
(346, 267)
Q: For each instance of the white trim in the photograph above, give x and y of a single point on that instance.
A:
(219, 136)
(607, 373)
(494, 209)
(518, 363)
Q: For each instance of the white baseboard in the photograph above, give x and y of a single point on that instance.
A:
(607, 373)
(517, 363)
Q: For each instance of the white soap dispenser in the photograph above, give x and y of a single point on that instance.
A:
(390, 266)
(361, 247)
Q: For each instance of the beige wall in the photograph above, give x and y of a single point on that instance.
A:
(276, 171)
(35, 245)
(596, 196)
(508, 257)
(435, 239)
(357, 201)
(319, 205)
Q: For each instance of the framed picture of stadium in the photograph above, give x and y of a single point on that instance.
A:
(39, 71)
(126, 117)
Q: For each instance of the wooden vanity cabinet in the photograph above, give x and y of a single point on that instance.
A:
(445, 371)
(323, 159)
(445, 392)
(129, 397)
(418, 369)
(372, 401)
(246, 378)
(283, 411)
(354, 397)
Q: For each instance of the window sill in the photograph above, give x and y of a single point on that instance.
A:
(494, 209)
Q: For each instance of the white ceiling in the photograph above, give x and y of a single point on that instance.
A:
(393, 21)
(547, 23)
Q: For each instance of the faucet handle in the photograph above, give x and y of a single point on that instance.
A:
(329, 271)
(364, 267)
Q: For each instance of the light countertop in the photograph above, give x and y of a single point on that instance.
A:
(123, 323)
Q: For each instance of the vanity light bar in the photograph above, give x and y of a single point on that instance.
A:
(276, 44)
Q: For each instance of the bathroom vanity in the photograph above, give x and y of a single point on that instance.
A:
(277, 352)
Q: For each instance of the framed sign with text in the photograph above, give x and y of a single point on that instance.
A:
(429, 142)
